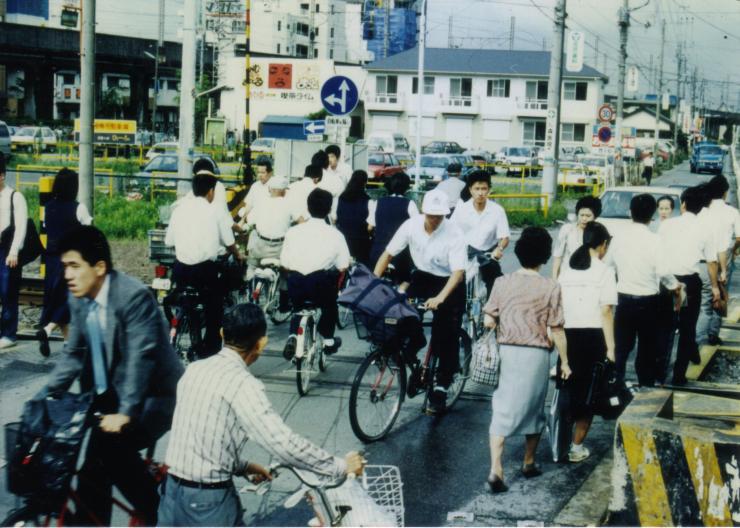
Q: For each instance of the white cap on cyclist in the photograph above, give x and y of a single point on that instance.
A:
(435, 203)
(277, 183)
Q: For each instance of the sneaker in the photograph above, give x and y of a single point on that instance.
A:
(715, 340)
(332, 349)
(43, 338)
(290, 346)
(437, 401)
(578, 453)
(6, 342)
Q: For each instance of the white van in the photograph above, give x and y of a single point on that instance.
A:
(391, 143)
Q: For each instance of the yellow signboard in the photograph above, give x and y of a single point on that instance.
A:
(111, 131)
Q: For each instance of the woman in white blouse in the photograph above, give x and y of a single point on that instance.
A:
(570, 236)
(589, 291)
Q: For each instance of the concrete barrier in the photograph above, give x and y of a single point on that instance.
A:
(676, 461)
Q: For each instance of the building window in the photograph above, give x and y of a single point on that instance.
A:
(280, 24)
(287, 50)
(536, 91)
(428, 85)
(331, 53)
(301, 51)
(574, 132)
(461, 87)
(315, 53)
(68, 78)
(498, 88)
(533, 133)
(301, 29)
(331, 32)
(304, 7)
(386, 88)
(575, 91)
(318, 7)
(278, 48)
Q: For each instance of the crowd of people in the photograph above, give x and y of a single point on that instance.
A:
(606, 292)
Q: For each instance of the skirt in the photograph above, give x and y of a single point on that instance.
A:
(519, 400)
(56, 309)
(586, 346)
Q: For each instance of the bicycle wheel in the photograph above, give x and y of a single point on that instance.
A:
(276, 316)
(461, 376)
(27, 516)
(304, 365)
(181, 341)
(345, 317)
(377, 394)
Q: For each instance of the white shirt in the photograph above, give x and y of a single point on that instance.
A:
(257, 192)
(441, 253)
(727, 220)
(332, 182)
(220, 407)
(585, 292)
(338, 178)
(570, 238)
(102, 300)
(197, 232)
(648, 161)
(298, 195)
(635, 254)
(481, 229)
(83, 215)
(684, 242)
(312, 246)
(372, 207)
(20, 212)
(271, 217)
(452, 187)
(219, 203)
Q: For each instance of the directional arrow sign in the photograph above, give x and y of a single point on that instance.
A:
(339, 95)
(313, 127)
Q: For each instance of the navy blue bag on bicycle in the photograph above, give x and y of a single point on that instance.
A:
(42, 449)
(380, 309)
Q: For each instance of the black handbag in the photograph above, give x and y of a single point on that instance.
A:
(42, 449)
(32, 247)
(607, 395)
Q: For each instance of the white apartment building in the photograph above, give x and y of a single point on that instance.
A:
(480, 98)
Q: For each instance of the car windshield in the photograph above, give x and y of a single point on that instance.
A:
(401, 144)
(26, 132)
(518, 152)
(711, 151)
(262, 142)
(434, 162)
(616, 204)
(375, 160)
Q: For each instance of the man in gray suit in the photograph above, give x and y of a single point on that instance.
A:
(118, 347)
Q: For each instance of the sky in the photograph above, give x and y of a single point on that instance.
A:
(708, 32)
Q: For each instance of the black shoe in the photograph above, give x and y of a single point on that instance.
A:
(43, 338)
(531, 470)
(695, 358)
(329, 350)
(290, 345)
(715, 340)
(497, 485)
(437, 401)
(679, 381)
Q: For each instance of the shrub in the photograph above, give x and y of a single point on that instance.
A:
(120, 218)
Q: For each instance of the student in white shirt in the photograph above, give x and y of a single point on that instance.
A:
(338, 173)
(314, 253)
(10, 266)
(484, 224)
(687, 246)
(636, 256)
(438, 252)
(299, 190)
(570, 236)
(453, 185)
(647, 167)
(589, 292)
(197, 233)
(259, 190)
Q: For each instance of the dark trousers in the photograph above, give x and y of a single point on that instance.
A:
(446, 322)
(204, 278)
(667, 321)
(687, 319)
(489, 272)
(636, 318)
(319, 288)
(10, 287)
(647, 174)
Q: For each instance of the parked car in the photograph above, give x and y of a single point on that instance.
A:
(29, 138)
(572, 153)
(442, 147)
(515, 159)
(4, 139)
(381, 165)
(167, 147)
(575, 173)
(601, 166)
(480, 157)
(263, 144)
(165, 165)
(433, 168)
(707, 158)
(615, 205)
(466, 162)
(392, 143)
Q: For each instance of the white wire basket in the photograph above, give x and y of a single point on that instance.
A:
(383, 484)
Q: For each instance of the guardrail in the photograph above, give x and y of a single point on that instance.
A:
(543, 204)
(44, 170)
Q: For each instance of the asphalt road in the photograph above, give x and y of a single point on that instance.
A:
(443, 461)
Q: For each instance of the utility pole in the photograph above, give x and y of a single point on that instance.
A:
(659, 94)
(552, 131)
(87, 104)
(450, 41)
(160, 43)
(247, 153)
(596, 52)
(187, 96)
(420, 91)
(677, 119)
(624, 24)
(512, 33)
(387, 26)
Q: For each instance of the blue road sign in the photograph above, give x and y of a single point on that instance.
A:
(313, 127)
(339, 95)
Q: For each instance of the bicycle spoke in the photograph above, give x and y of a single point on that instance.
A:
(376, 397)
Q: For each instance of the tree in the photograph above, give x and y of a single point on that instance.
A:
(111, 104)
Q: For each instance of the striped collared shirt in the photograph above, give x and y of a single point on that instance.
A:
(220, 406)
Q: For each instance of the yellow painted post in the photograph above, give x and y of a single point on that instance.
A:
(546, 207)
(45, 185)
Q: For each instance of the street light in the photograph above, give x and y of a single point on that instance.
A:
(156, 59)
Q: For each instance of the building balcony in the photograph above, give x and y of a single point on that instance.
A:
(67, 93)
(531, 107)
(384, 102)
(459, 105)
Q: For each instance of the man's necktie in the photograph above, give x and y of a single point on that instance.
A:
(97, 348)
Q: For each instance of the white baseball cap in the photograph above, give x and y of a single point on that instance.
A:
(277, 183)
(435, 203)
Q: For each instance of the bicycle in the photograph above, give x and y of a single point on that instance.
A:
(381, 384)
(36, 511)
(185, 312)
(377, 502)
(309, 350)
(476, 293)
(264, 289)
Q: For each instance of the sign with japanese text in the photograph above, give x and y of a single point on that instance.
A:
(633, 79)
(574, 51)
(110, 131)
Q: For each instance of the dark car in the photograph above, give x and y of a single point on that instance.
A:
(708, 158)
(442, 147)
(163, 169)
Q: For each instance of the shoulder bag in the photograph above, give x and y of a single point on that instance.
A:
(32, 247)
(486, 361)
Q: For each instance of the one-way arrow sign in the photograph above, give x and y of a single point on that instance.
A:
(339, 95)
(313, 127)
